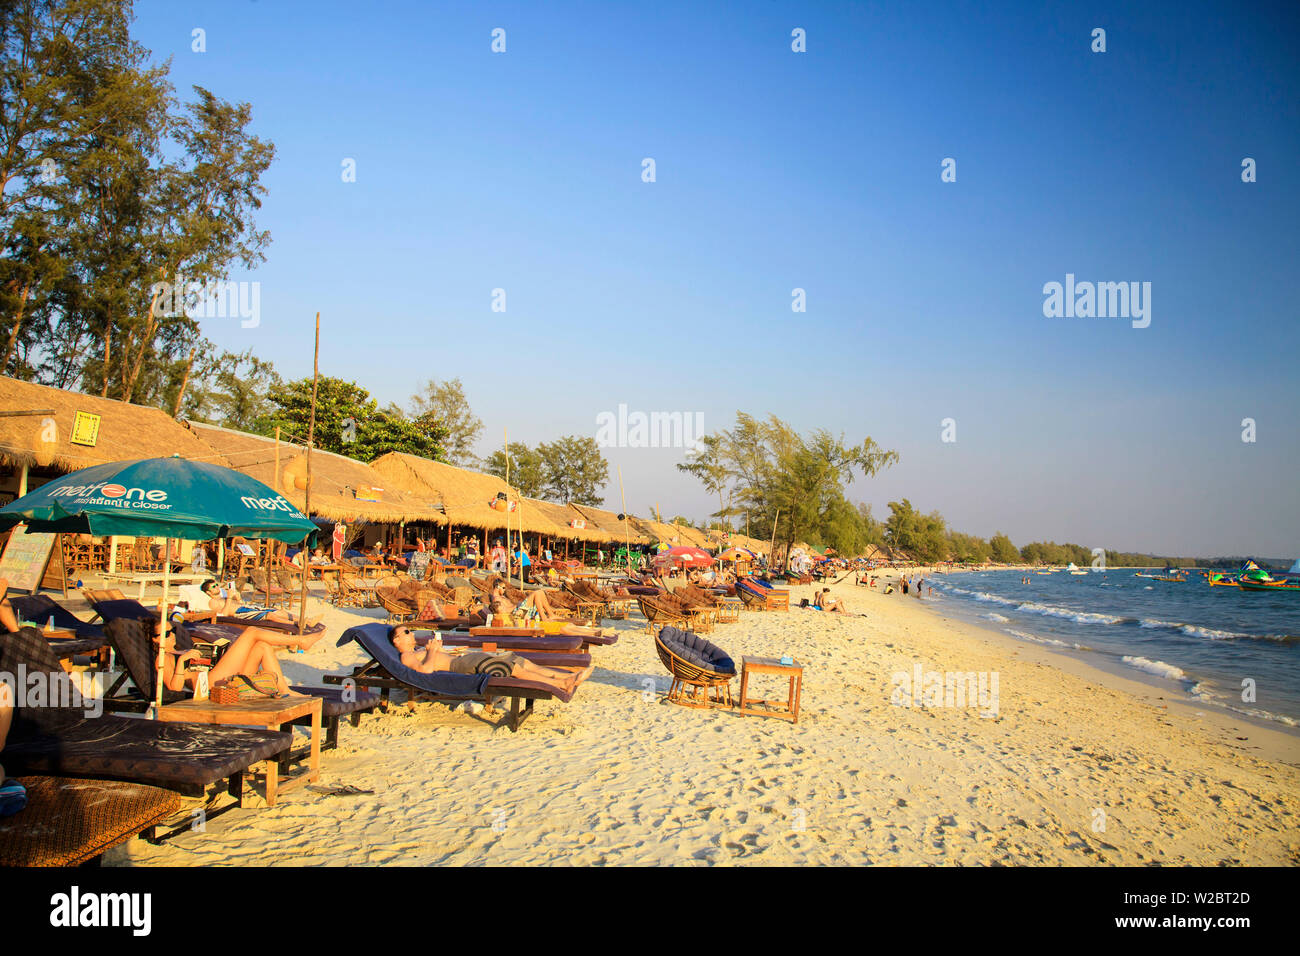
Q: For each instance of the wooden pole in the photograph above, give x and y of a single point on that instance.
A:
(627, 534)
(771, 553)
(162, 629)
(306, 502)
(505, 433)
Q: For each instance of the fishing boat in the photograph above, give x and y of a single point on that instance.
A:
(1219, 579)
(1255, 578)
(1139, 574)
(1279, 584)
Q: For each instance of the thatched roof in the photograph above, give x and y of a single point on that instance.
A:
(561, 516)
(126, 432)
(608, 522)
(336, 479)
(464, 494)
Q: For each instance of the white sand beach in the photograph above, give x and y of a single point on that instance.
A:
(1076, 768)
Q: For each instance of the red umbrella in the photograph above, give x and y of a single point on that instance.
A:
(686, 556)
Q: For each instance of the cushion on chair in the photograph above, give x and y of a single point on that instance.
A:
(695, 649)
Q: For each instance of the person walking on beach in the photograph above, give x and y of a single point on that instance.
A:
(920, 583)
(905, 585)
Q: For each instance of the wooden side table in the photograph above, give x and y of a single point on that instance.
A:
(273, 714)
(787, 710)
(728, 609)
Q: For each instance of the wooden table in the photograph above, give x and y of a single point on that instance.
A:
(789, 710)
(729, 609)
(271, 713)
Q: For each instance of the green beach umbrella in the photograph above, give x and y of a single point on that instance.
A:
(159, 497)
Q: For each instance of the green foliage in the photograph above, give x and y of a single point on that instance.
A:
(230, 390)
(349, 422)
(574, 470)
(107, 189)
(967, 549)
(527, 471)
(921, 536)
(567, 469)
(1002, 550)
(446, 401)
(774, 474)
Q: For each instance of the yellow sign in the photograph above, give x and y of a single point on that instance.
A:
(85, 429)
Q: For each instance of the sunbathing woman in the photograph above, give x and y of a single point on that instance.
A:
(252, 653)
(824, 600)
(535, 607)
(230, 605)
(433, 658)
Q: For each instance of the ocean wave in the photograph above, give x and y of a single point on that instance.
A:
(1159, 668)
(994, 599)
(1213, 634)
(1051, 641)
(994, 616)
(1079, 617)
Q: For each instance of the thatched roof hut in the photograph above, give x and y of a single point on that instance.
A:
(563, 517)
(341, 487)
(126, 432)
(608, 522)
(465, 494)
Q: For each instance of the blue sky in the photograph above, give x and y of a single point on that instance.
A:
(820, 170)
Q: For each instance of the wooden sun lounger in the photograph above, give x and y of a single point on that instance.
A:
(523, 694)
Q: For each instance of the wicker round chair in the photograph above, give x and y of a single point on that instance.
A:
(658, 613)
(701, 671)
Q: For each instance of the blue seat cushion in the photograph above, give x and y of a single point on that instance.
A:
(695, 649)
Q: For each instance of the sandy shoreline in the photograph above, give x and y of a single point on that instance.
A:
(1076, 768)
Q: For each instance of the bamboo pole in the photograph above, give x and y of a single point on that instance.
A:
(771, 553)
(627, 534)
(311, 437)
(162, 629)
(505, 433)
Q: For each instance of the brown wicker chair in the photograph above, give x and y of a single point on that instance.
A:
(73, 822)
(390, 597)
(702, 672)
(658, 614)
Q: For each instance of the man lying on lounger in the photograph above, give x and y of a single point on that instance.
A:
(434, 658)
(229, 605)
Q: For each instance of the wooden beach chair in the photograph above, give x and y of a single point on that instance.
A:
(136, 648)
(185, 758)
(386, 672)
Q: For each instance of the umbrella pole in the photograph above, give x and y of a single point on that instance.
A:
(162, 633)
(306, 499)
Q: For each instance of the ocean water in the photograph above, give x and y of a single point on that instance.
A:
(1191, 639)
